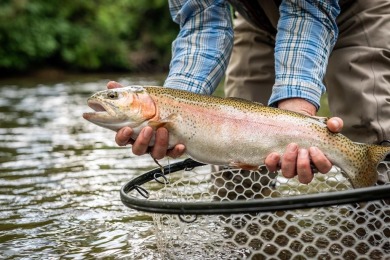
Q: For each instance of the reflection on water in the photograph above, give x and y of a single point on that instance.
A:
(60, 177)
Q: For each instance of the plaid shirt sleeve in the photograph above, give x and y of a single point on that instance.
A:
(202, 49)
(307, 33)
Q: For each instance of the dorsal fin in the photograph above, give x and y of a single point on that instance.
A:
(244, 100)
(321, 119)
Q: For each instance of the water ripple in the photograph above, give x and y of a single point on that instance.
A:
(60, 178)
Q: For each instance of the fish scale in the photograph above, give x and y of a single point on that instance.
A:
(230, 131)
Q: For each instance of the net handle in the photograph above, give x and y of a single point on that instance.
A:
(242, 206)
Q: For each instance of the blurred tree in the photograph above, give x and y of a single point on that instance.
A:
(86, 35)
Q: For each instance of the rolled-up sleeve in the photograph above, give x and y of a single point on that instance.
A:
(202, 49)
(307, 33)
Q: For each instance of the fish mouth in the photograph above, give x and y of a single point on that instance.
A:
(104, 117)
(96, 106)
(99, 109)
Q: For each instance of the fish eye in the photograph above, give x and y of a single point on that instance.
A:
(112, 95)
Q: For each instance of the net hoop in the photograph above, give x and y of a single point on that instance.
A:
(239, 206)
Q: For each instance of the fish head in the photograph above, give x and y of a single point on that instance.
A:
(119, 107)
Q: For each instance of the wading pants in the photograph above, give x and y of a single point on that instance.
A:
(358, 73)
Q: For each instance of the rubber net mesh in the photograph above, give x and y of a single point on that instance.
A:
(342, 232)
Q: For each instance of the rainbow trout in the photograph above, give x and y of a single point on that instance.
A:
(230, 131)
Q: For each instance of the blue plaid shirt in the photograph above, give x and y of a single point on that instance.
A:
(307, 33)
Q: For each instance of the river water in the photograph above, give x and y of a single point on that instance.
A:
(60, 176)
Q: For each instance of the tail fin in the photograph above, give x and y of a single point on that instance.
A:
(368, 174)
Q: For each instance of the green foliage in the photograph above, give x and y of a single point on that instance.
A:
(88, 35)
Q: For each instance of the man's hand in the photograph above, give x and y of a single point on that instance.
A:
(296, 160)
(140, 146)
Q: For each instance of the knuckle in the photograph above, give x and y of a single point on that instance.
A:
(141, 143)
(303, 165)
(161, 142)
(289, 159)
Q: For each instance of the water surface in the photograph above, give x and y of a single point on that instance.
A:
(60, 175)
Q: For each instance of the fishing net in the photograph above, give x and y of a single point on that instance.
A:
(200, 213)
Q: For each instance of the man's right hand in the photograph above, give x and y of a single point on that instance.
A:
(296, 160)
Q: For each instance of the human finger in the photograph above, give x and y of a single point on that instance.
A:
(319, 159)
(176, 151)
(305, 175)
(141, 144)
(335, 124)
(289, 161)
(113, 84)
(123, 136)
(272, 162)
(160, 146)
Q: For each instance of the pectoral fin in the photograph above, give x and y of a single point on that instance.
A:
(167, 122)
(157, 124)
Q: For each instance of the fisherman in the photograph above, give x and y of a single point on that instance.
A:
(281, 51)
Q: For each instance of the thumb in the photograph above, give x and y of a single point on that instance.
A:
(335, 124)
(113, 84)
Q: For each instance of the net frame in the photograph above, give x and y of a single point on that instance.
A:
(281, 223)
(239, 206)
